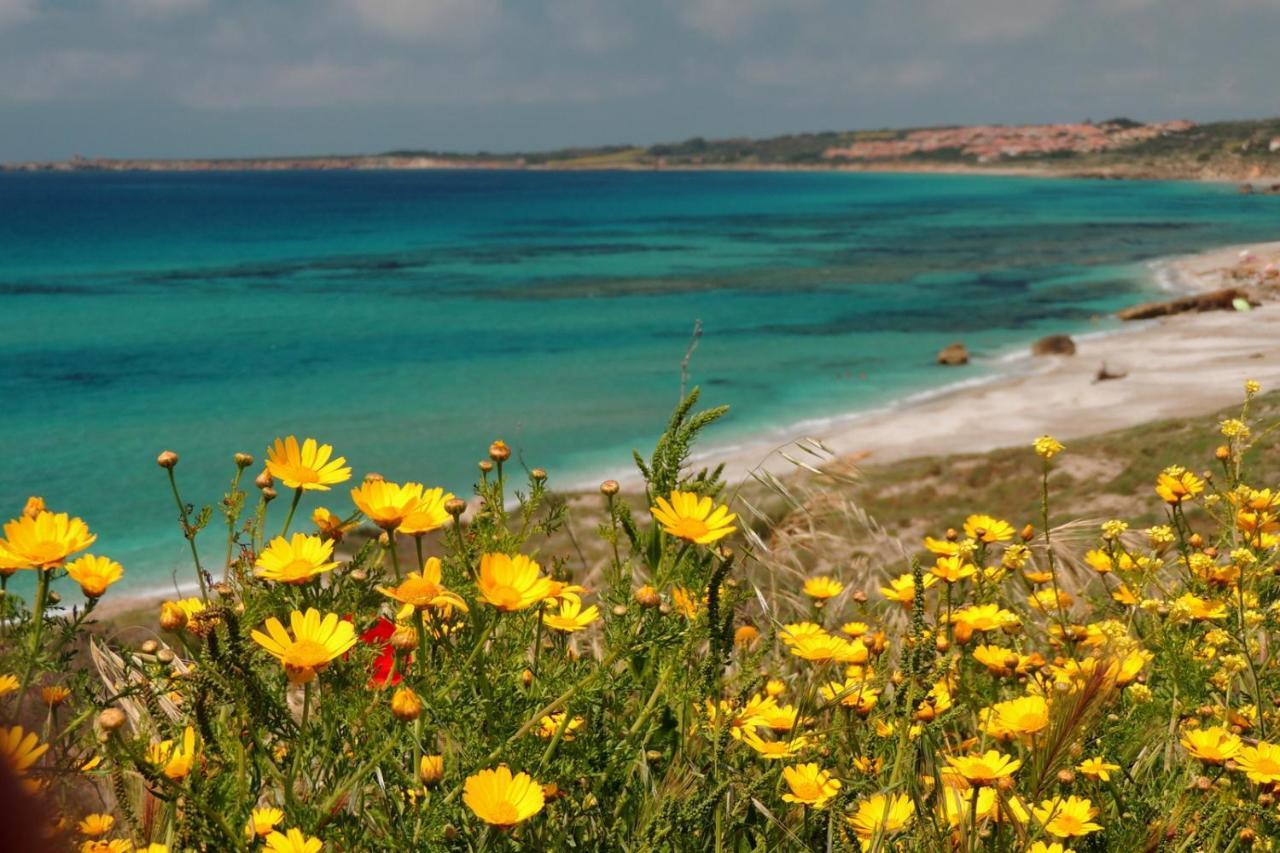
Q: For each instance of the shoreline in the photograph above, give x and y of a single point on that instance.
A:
(1178, 366)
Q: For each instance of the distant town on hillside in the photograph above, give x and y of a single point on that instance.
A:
(1247, 150)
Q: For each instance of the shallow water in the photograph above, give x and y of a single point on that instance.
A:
(409, 318)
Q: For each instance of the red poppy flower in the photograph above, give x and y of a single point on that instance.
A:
(384, 673)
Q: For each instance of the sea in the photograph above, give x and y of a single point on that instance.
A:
(409, 318)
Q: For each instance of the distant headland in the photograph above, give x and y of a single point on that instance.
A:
(1247, 150)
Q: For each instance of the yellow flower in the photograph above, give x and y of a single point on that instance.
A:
(822, 587)
(810, 785)
(774, 749)
(985, 769)
(571, 617)
(511, 583)
(423, 590)
(262, 822)
(96, 825)
(1200, 609)
(854, 629)
(984, 528)
(685, 601)
(43, 541)
(296, 560)
(1068, 817)
(94, 574)
(428, 515)
(821, 647)
(902, 589)
(387, 504)
(20, 749)
(174, 760)
(1047, 847)
(34, 506)
(881, 816)
(102, 845)
(981, 617)
(690, 517)
(1097, 768)
(292, 842)
(1047, 447)
(1260, 763)
(1026, 715)
(308, 467)
(329, 524)
(1213, 745)
(431, 769)
(315, 642)
(8, 684)
(941, 547)
(852, 693)
(501, 799)
(1175, 485)
(953, 568)
(54, 695)
(551, 723)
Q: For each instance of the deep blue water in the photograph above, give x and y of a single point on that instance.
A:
(409, 318)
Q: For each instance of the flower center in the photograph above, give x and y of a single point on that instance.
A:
(306, 654)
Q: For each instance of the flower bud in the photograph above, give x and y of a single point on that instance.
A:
(374, 477)
(243, 460)
(859, 596)
(149, 647)
(223, 589)
(539, 475)
(1028, 533)
(165, 656)
(269, 494)
(1223, 453)
(619, 610)
(647, 596)
(450, 832)
(526, 678)
(609, 488)
(485, 465)
(1066, 777)
(264, 480)
(746, 636)
(359, 575)
(167, 460)
(404, 639)
(455, 507)
(952, 535)
(499, 452)
(111, 719)
(431, 769)
(172, 617)
(405, 705)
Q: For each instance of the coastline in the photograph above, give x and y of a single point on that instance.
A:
(1178, 366)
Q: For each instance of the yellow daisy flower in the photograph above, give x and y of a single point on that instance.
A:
(308, 467)
(43, 541)
(174, 760)
(387, 504)
(511, 583)
(881, 816)
(1097, 768)
(571, 617)
(690, 517)
(94, 574)
(1212, 745)
(96, 825)
(20, 749)
(499, 798)
(810, 785)
(822, 587)
(984, 528)
(297, 560)
(1065, 818)
(292, 842)
(315, 642)
(985, 769)
(262, 822)
(423, 590)
(428, 515)
(1260, 763)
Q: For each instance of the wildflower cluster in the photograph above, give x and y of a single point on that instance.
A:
(410, 670)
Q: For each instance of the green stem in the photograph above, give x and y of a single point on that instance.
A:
(189, 533)
(391, 546)
(231, 522)
(288, 519)
(37, 628)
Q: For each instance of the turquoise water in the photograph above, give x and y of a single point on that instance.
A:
(409, 318)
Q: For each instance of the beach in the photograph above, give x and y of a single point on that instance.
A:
(1178, 366)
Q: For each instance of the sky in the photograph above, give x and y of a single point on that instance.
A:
(184, 78)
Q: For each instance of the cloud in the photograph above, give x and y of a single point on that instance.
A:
(73, 75)
(845, 75)
(413, 20)
(15, 11)
(153, 8)
(315, 83)
(588, 25)
(729, 19)
(990, 21)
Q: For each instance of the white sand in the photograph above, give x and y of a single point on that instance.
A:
(1179, 366)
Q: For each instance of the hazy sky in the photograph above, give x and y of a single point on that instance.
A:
(240, 77)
